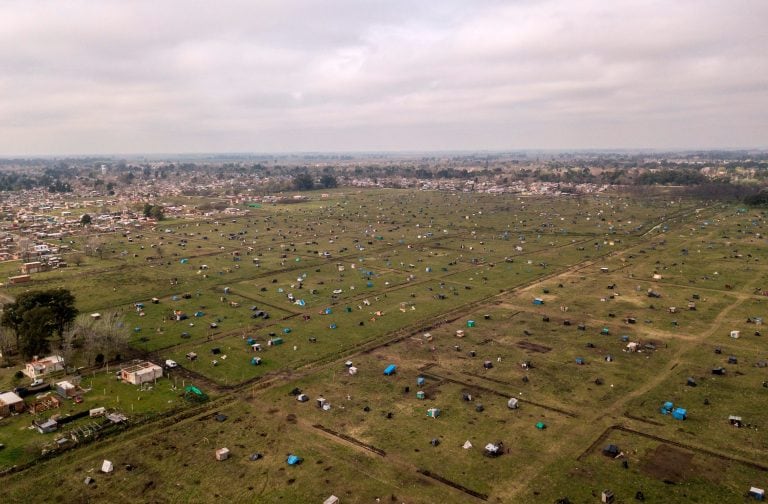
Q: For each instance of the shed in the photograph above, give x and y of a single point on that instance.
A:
(65, 389)
(390, 370)
(10, 403)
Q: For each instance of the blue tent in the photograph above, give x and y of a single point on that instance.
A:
(390, 370)
(294, 460)
(679, 414)
(666, 408)
(538, 301)
(255, 361)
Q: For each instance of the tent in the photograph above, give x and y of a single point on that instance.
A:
(255, 361)
(512, 403)
(390, 370)
(433, 412)
(294, 460)
(611, 450)
(541, 425)
(467, 445)
(679, 414)
(667, 407)
(107, 467)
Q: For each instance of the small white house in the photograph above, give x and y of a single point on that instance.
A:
(40, 368)
(138, 372)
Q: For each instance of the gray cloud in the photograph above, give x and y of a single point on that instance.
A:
(184, 76)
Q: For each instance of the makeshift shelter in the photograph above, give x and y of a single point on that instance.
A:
(538, 301)
(420, 380)
(735, 420)
(390, 370)
(735, 334)
(255, 361)
(222, 454)
(107, 467)
(470, 323)
(493, 449)
(607, 497)
(757, 493)
(433, 412)
(512, 403)
(420, 395)
(331, 500)
(541, 425)
(679, 414)
(294, 460)
(667, 407)
(467, 445)
(611, 451)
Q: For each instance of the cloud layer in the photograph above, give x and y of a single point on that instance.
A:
(192, 76)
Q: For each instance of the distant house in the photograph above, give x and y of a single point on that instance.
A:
(10, 403)
(40, 368)
(19, 279)
(140, 372)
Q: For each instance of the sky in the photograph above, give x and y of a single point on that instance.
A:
(186, 76)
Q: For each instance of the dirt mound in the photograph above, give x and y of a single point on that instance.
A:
(669, 464)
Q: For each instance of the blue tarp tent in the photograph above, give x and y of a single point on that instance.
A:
(679, 414)
(666, 408)
(294, 460)
(390, 370)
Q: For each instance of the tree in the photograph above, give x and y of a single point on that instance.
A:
(303, 182)
(85, 219)
(6, 344)
(90, 338)
(36, 315)
(35, 328)
(328, 181)
(154, 211)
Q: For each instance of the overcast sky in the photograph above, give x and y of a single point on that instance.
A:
(162, 76)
